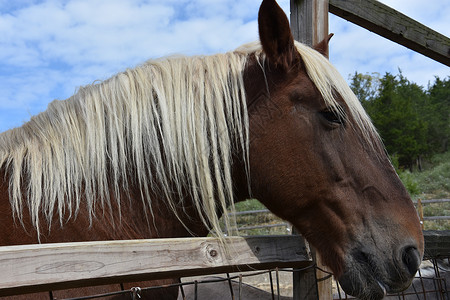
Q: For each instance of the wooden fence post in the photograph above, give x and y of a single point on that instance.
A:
(324, 281)
(309, 20)
(305, 282)
(309, 25)
(420, 210)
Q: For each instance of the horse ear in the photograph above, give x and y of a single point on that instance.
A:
(322, 46)
(275, 34)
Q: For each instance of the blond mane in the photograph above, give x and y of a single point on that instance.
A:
(172, 121)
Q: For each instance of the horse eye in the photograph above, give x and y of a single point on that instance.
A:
(333, 117)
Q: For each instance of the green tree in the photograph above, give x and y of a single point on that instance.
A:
(413, 122)
(437, 111)
(365, 86)
(395, 114)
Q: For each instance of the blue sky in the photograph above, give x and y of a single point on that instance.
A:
(48, 48)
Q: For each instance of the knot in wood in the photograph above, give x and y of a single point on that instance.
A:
(213, 253)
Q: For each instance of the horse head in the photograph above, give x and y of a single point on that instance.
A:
(317, 161)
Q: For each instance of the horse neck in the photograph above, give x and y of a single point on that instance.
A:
(12, 232)
(135, 221)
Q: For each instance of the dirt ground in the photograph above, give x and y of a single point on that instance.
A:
(261, 281)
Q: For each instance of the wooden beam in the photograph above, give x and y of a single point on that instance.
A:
(35, 268)
(437, 244)
(324, 280)
(305, 285)
(395, 26)
(309, 20)
(309, 25)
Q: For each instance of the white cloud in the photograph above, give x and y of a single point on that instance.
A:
(49, 48)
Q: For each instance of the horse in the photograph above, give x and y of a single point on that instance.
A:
(164, 149)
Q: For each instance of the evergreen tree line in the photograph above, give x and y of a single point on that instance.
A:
(413, 121)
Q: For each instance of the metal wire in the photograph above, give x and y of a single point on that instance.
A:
(421, 290)
(278, 282)
(230, 284)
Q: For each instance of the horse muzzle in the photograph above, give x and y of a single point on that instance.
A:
(371, 273)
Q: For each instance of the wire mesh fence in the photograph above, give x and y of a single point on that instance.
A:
(227, 286)
(431, 282)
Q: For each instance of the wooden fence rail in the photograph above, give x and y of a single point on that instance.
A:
(36, 268)
(433, 201)
(437, 244)
(395, 26)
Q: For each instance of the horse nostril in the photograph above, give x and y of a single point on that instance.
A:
(411, 259)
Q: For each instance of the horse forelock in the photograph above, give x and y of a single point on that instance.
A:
(172, 121)
(331, 85)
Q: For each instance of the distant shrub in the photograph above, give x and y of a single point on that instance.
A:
(409, 181)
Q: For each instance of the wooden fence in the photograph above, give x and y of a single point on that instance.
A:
(309, 22)
(35, 268)
(395, 26)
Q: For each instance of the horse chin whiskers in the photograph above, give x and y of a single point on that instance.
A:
(363, 278)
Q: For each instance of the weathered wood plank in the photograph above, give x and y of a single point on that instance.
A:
(395, 26)
(437, 243)
(435, 201)
(309, 25)
(34, 268)
(309, 20)
(324, 280)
